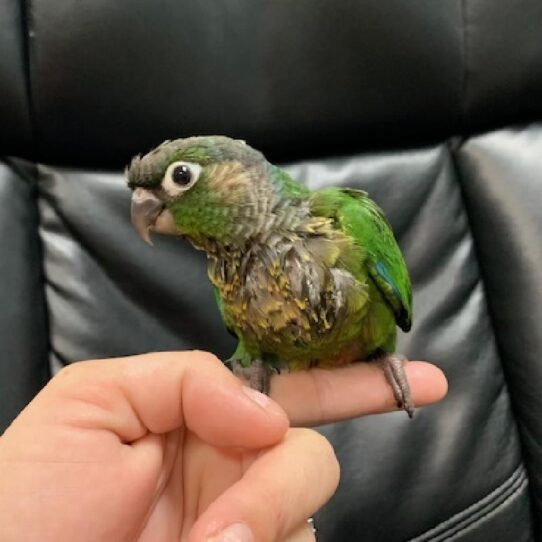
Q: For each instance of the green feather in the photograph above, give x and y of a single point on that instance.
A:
(287, 186)
(361, 218)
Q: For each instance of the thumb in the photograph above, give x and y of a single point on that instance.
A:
(157, 393)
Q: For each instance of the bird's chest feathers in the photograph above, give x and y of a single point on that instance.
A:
(289, 292)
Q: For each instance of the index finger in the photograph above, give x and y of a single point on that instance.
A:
(320, 396)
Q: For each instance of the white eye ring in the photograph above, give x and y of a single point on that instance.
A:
(179, 177)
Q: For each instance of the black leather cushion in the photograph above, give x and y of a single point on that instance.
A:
(298, 78)
(110, 294)
(24, 367)
(502, 175)
(503, 63)
(15, 130)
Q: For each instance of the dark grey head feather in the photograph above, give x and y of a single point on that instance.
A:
(148, 170)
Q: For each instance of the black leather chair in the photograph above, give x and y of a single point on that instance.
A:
(430, 106)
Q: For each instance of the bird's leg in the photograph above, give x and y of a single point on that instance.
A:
(257, 375)
(250, 367)
(394, 369)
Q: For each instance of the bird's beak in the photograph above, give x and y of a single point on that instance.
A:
(149, 214)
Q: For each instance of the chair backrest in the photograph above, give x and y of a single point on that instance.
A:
(410, 101)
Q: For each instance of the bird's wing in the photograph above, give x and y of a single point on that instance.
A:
(361, 218)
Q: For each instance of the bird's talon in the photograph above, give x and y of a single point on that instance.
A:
(394, 370)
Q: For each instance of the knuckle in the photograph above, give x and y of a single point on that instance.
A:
(324, 453)
(188, 357)
(85, 381)
(70, 372)
(205, 357)
(204, 362)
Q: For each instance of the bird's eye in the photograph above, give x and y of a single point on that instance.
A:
(181, 175)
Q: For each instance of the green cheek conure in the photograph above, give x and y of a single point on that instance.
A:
(302, 278)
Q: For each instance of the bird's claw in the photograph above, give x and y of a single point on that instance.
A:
(394, 369)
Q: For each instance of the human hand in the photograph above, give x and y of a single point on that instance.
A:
(171, 447)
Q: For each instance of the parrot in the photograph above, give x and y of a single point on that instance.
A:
(302, 278)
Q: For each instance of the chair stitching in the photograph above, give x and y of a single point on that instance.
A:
(445, 527)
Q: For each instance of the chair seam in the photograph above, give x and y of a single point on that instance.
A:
(455, 146)
(465, 51)
(518, 488)
(32, 177)
(470, 515)
(27, 31)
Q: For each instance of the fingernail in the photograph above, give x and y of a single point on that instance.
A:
(263, 401)
(237, 532)
(258, 397)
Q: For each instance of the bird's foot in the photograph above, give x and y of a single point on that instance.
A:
(257, 375)
(394, 369)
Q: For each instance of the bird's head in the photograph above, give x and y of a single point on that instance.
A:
(204, 188)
